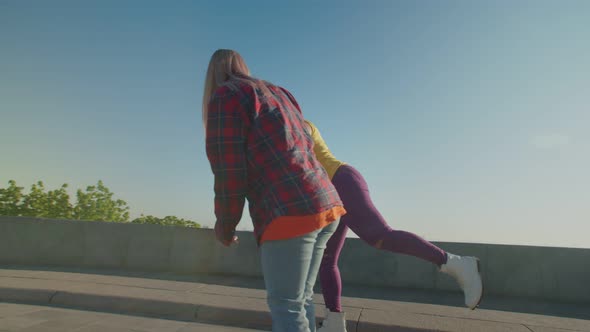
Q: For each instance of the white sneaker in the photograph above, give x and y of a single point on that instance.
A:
(334, 322)
(467, 272)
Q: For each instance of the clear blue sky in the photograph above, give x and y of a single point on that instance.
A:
(469, 119)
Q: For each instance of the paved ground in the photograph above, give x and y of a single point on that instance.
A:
(32, 318)
(231, 301)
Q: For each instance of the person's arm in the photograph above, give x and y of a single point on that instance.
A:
(226, 144)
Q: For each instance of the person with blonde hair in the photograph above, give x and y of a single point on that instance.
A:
(258, 150)
(365, 221)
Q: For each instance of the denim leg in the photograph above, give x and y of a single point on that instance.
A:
(318, 252)
(286, 266)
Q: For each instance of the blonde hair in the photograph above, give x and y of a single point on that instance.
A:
(223, 65)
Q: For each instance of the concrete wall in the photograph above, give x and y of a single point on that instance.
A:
(561, 274)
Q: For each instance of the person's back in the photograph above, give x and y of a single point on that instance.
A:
(283, 174)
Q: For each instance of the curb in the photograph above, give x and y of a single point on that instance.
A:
(175, 310)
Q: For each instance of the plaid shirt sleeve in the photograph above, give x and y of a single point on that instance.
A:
(226, 144)
(292, 99)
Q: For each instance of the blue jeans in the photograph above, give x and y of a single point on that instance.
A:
(290, 269)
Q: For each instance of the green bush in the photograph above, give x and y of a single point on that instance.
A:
(96, 203)
(168, 220)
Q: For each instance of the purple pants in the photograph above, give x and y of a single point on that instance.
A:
(365, 221)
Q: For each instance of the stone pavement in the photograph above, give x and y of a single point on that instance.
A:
(224, 301)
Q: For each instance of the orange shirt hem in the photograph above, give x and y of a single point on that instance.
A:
(287, 227)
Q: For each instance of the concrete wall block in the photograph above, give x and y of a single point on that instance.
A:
(414, 273)
(192, 250)
(242, 259)
(564, 274)
(58, 242)
(106, 244)
(149, 247)
(18, 243)
(514, 270)
(361, 263)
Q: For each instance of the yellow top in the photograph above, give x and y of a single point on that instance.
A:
(322, 153)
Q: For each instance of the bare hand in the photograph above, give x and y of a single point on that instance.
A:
(234, 241)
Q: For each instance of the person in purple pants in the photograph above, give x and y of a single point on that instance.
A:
(366, 222)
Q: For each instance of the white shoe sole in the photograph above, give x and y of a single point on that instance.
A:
(482, 286)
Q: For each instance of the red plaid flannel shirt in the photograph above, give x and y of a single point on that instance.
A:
(259, 150)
